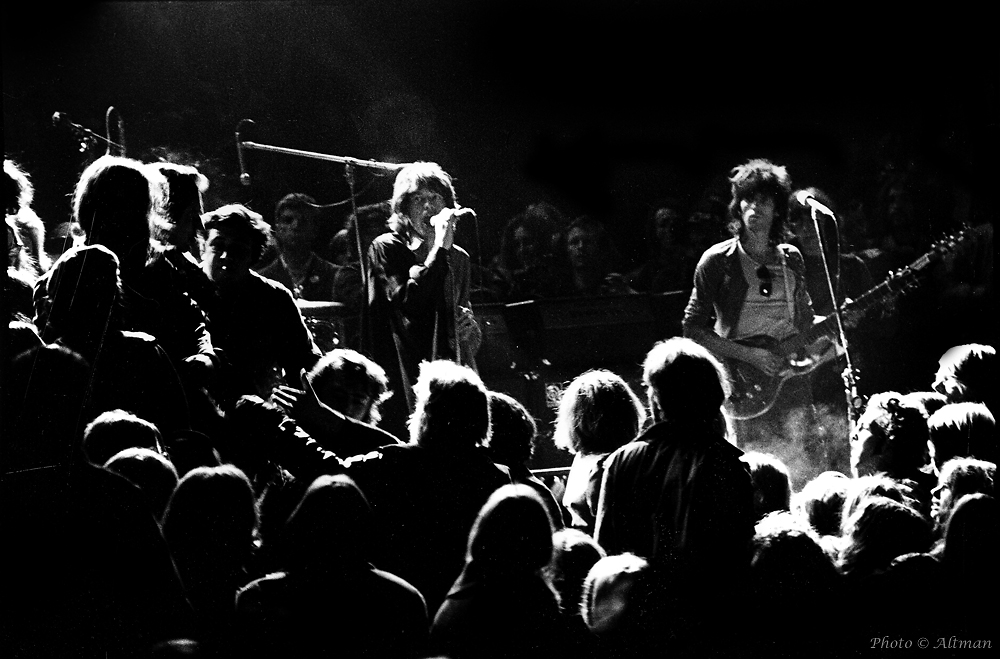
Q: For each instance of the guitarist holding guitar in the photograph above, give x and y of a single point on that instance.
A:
(750, 294)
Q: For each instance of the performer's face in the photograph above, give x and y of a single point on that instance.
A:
(421, 207)
(227, 256)
(758, 214)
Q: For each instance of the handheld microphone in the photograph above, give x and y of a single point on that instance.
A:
(806, 199)
(244, 176)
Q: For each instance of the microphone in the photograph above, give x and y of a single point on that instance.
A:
(462, 211)
(806, 199)
(244, 176)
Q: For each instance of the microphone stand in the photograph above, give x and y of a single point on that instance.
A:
(349, 164)
(849, 376)
(115, 148)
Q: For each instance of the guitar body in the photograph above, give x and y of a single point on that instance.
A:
(754, 391)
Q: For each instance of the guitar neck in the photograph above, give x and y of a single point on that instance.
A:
(866, 301)
(893, 284)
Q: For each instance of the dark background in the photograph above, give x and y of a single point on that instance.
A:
(598, 107)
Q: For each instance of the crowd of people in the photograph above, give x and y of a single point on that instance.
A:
(192, 468)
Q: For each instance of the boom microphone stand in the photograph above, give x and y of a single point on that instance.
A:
(349, 165)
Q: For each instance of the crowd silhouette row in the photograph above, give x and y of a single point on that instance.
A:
(192, 469)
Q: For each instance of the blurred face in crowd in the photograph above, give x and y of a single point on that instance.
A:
(294, 230)
(583, 247)
(227, 256)
(665, 219)
(421, 207)
(527, 247)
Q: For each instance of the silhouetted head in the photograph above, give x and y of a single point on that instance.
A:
(772, 484)
(963, 430)
(350, 383)
(968, 373)
(330, 530)
(598, 412)
(452, 409)
(512, 534)
(150, 471)
(891, 436)
(116, 430)
(880, 530)
(211, 517)
(114, 201)
(512, 430)
(685, 382)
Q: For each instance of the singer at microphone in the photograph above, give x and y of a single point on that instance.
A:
(420, 285)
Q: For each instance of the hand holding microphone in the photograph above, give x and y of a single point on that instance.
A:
(444, 225)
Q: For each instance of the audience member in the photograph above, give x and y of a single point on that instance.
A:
(341, 409)
(148, 470)
(254, 320)
(116, 430)
(590, 255)
(962, 430)
(128, 370)
(680, 497)
(502, 605)
(795, 587)
(426, 494)
(959, 477)
(574, 553)
(209, 525)
(670, 263)
(821, 503)
(891, 438)
(328, 594)
(511, 443)
(772, 486)
(116, 202)
(598, 413)
(298, 267)
(616, 608)
(877, 532)
(526, 268)
(967, 373)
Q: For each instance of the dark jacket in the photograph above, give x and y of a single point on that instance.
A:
(679, 496)
(425, 501)
(720, 289)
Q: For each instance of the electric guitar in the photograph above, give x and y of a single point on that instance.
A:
(754, 392)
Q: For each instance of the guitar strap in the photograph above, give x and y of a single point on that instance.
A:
(789, 293)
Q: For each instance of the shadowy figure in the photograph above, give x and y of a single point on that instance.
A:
(526, 267)
(680, 497)
(129, 370)
(328, 594)
(209, 525)
(511, 443)
(502, 605)
(426, 494)
(598, 412)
